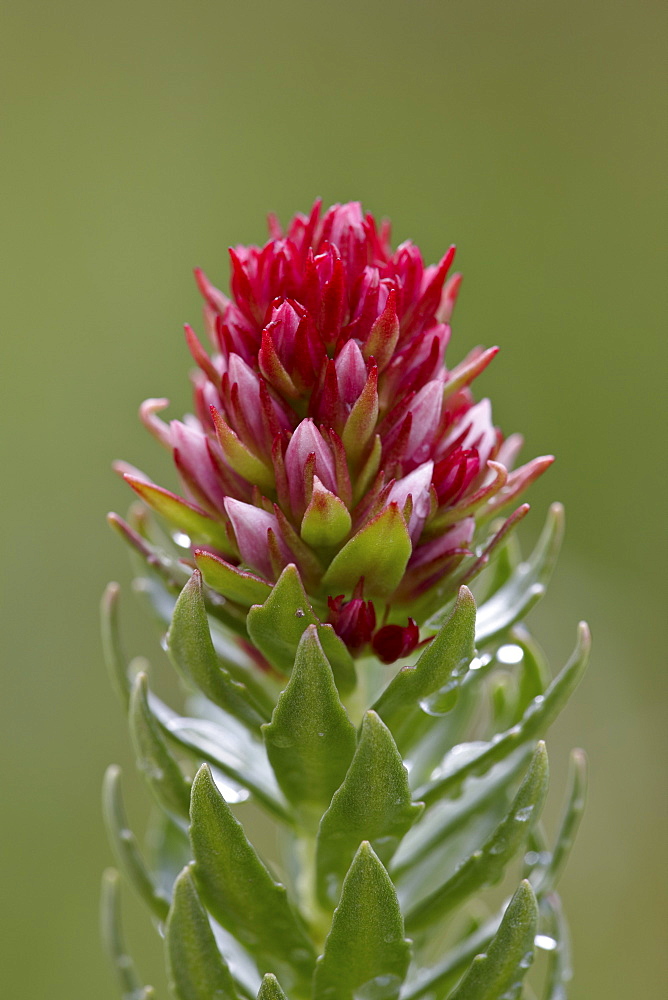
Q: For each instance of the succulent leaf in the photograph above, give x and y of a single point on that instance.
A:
(366, 954)
(238, 888)
(197, 970)
(310, 739)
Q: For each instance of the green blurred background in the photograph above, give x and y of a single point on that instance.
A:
(140, 139)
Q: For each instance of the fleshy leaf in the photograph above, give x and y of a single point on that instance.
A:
(154, 758)
(527, 584)
(124, 844)
(326, 521)
(239, 890)
(501, 971)
(236, 584)
(379, 552)
(310, 740)
(538, 716)
(570, 821)
(486, 866)
(276, 628)
(366, 955)
(197, 970)
(373, 804)
(112, 938)
(182, 514)
(270, 989)
(438, 670)
(114, 657)
(191, 650)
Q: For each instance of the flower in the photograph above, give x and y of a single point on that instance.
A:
(329, 433)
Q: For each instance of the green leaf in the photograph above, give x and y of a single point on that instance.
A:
(230, 748)
(527, 584)
(270, 990)
(154, 759)
(124, 844)
(559, 970)
(310, 740)
(197, 970)
(435, 676)
(570, 821)
(239, 890)
(236, 584)
(114, 657)
(277, 626)
(373, 804)
(500, 972)
(379, 552)
(326, 521)
(112, 938)
(486, 866)
(536, 719)
(366, 956)
(443, 820)
(191, 650)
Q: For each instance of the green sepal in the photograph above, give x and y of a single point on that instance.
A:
(535, 720)
(326, 520)
(501, 971)
(112, 938)
(310, 740)
(526, 585)
(124, 845)
(197, 970)
(486, 866)
(236, 584)
(366, 954)
(436, 674)
(154, 759)
(270, 989)
(373, 804)
(276, 628)
(238, 889)
(191, 650)
(379, 552)
(185, 516)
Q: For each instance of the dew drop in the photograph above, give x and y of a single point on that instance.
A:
(545, 942)
(181, 539)
(510, 653)
(522, 815)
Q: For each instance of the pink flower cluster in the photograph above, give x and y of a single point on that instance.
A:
(324, 407)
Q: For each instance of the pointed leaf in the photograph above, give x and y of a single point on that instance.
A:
(373, 804)
(366, 954)
(458, 766)
(154, 758)
(327, 520)
(438, 671)
(185, 516)
(277, 626)
(501, 971)
(191, 650)
(486, 866)
(270, 990)
(114, 657)
(238, 889)
(197, 970)
(379, 552)
(112, 938)
(527, 584)
(310, 740)
(236, 584)
(570, 821)
(124, 845)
